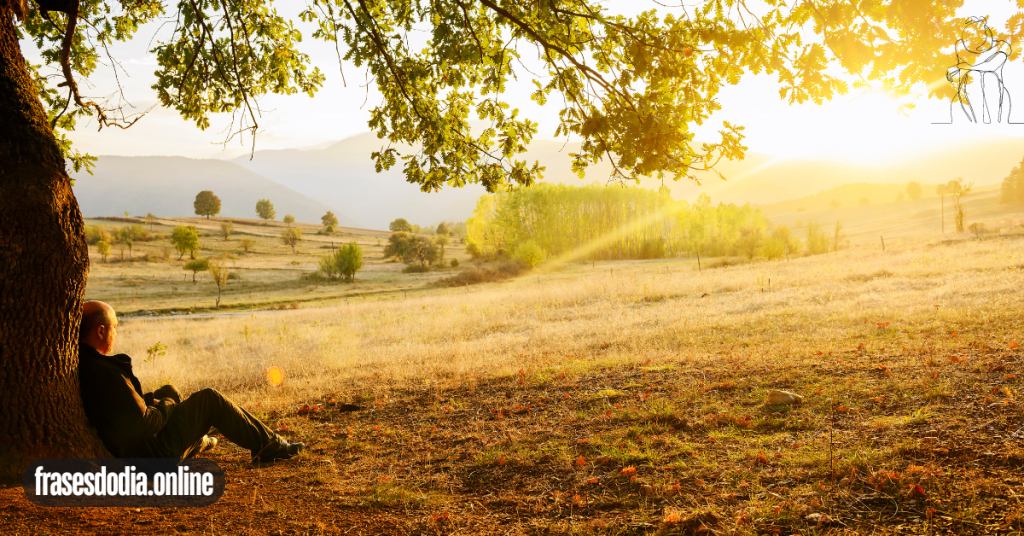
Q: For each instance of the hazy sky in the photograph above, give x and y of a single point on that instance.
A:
(861, 126)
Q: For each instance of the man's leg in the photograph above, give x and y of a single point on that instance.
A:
(206, 409)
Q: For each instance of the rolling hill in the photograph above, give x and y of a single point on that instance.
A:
(343, 175)
(167, 186)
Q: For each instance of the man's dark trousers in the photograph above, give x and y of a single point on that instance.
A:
(183, 434)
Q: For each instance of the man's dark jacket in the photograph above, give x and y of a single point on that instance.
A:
(125, 418)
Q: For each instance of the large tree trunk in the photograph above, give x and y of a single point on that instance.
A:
(43, 267)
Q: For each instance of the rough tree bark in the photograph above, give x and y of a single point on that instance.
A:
(44, 263)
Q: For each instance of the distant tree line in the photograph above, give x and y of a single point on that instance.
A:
(125, 237)
(1012, 189)
(454, 230)
(612, 223)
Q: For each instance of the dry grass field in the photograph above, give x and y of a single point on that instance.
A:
(621, 398)
(269, 275)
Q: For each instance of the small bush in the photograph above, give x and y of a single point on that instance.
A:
(863, 278)
(454, 263)
(530, 253)
(473, 276)
(343, 263)
(97, 233)
(415, 269)
(726, 262)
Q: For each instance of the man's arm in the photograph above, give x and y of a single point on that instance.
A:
(167, 391)
(135, 414)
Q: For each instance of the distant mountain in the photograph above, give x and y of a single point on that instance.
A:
(167, 186)
(848, 195)
(758, 178)
(343, 176)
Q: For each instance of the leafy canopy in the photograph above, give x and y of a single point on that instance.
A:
(629, 88)
(185, 239)
(400, 225)
(291, 237)
(206, 204)
(265, 209)
(344, 262)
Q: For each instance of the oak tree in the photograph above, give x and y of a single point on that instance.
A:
(265, 209)
(629, 88)
(207, 204)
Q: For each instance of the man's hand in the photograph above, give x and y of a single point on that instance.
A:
(165, 406)
(168, 391)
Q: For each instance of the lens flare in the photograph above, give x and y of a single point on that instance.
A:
(275, 376)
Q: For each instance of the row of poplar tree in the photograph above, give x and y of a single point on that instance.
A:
(611, 222)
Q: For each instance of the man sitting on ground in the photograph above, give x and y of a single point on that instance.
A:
(158, 424)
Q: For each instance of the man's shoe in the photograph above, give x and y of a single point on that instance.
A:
(209, 443)
(285, 451)
(205, 444)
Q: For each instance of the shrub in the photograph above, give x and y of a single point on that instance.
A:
(103, 249)
(473, 276)
(246, 244)
(226, 228)
(652, 249)
(749, 243)
(914, 190)
(400, 225)
(415, 269)
(196, 266)
(411, 248)
(97, 233)
(817, 241)
(530, 253)
(288, 219)
(265, 209)
(343, 263)
(185, 239)
(291, 237)
(454, 263)
(329, 221)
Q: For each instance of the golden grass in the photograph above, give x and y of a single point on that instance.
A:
(632, 312)
(269, 275)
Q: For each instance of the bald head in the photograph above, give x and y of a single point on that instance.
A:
(98, 326)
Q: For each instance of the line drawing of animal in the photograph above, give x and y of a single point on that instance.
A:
(981, 57)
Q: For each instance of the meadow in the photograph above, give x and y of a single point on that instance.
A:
(623, 398)
(607, 397)
(152, 278)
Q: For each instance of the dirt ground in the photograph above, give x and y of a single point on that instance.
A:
(885, 442)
